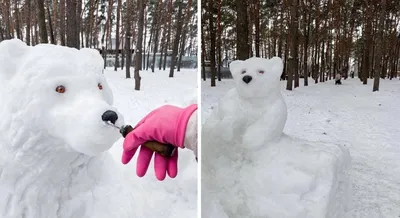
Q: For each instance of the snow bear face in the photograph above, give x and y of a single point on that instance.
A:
(61, 94)
(257, 77)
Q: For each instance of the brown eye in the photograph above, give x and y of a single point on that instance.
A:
(243, 72)
(100, 86)
(261, 72)
(60, 89)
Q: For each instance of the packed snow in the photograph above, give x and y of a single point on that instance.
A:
(350, 115)
(55, 158)
(270, 174)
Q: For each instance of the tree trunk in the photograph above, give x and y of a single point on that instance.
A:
(72, 25)
(293, 64)
(203, 47)
(62, 22)
(117, 42)
(184, 33)
(379, 63)
(123, 51)
(168, 34)
(367, 43)
(89, 30)
(28, 23)
(257, 27)
(177, 39)
(156, 37)
(139, 43)
(162, 40)
(17, 20)
(242, 31)
(295, 46)
(42, 21)
(212, 40)
(52, 38)
(147, 60)
(128, 39)
(306, 30)
(219, 41)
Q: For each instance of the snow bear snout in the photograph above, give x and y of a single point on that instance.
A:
(109, 116)
(247, 79)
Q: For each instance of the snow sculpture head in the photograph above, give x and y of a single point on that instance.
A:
(56, 93)
(257, 77)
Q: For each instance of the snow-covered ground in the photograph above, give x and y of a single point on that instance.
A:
(53, 139)
(352, 115)
(172, 197)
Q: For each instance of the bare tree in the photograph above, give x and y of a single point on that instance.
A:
(294, 46)
(42, 21)
(379, 62)
(177, 38)
(139, 43)
(184, 33)
(242, 30)
(128, 35)
(117, 41)
(212, 40)
(72, 24)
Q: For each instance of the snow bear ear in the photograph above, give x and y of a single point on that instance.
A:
(276, 66)
(235, 67)
(92, 58)
(11, 53)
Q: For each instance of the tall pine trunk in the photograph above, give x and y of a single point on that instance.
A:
(42, 21)
(117, 41)
(242, 30)
(139, 51)
(177, 39)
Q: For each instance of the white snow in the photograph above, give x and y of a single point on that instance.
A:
(53, 149)
(252, 169)
(176, 197)
(351, 115)
(243, 137)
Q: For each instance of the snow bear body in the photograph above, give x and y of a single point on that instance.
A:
(250, 168)
(252, 113)
(54, 159)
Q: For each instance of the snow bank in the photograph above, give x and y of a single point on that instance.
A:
(291, 178)
(249, 169)
(288, 178)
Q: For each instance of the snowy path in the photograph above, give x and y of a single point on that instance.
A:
(369, 123)
(173, 197)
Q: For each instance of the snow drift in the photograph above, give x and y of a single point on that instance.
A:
(251, 169)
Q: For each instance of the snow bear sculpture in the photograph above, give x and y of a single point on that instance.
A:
(53, 140)
(251, 169)
(253, 112)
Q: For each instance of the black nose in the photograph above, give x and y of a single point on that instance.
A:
(109, 116)
(247, 79)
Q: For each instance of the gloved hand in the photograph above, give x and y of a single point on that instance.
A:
(166, 124)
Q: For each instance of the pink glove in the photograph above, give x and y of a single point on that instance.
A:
(167, 125)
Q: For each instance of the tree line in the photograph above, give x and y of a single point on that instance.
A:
(146, 27)
(316, 39)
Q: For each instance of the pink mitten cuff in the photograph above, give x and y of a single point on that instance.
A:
(182, 123)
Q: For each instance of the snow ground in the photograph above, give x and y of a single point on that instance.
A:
(351, 114)
(178, 195)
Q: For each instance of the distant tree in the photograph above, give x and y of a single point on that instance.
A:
(212, 40)
(139, 52)
(117, 37)
(179, 24)
(242, 33)
(379, 60)
(42, 21)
